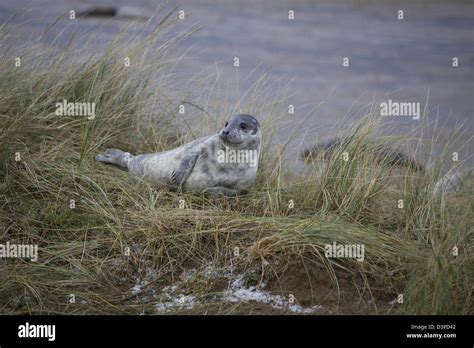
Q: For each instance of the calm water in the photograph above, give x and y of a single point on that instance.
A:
(404, 60)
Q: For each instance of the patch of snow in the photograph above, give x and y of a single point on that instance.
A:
(169, 289)
(181, 302)
(143, 281)
(237, 292)
(136, 289)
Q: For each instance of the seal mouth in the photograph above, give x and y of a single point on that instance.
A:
(227, 141)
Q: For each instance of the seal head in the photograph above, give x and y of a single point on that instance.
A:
(241, 131)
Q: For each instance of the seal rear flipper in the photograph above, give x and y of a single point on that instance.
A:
(115, 156)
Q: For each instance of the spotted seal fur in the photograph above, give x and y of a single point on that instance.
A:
(221, 164)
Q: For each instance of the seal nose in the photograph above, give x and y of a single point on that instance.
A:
(225, 132)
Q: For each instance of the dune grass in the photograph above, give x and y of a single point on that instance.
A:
(123, 231)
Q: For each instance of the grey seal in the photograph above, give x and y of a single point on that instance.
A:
(225, 163)
(383, 154)
(449, 183)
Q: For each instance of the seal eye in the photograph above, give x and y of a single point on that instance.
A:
(226, 124)
(243, 126)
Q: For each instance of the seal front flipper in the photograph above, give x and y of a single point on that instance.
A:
(184, 169)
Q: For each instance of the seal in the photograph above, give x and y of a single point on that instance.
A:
(225, 163)
(383, 154)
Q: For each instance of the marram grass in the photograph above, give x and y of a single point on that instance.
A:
(123, 230)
